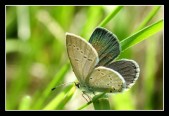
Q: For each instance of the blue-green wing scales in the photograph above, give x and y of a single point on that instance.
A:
(106, 45)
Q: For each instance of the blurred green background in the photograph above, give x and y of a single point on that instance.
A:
(37, 61)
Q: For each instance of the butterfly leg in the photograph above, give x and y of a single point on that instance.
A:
(84, 93)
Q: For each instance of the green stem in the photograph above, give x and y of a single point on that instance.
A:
(93, 100)
(102, 103)
(85, 105)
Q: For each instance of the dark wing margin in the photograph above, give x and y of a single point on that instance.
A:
(106, 45)
(128, 69)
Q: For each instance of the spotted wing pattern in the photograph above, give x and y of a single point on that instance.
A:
(104, 79)
(82, 55)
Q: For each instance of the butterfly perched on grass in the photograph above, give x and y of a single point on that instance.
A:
(92, 62)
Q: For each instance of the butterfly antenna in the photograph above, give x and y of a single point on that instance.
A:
(61, 85)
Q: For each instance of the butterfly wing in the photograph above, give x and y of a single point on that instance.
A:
(128, 69)
(106, 45)
(104, 79)
(82, 55)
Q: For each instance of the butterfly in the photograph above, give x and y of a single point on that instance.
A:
(93, 65)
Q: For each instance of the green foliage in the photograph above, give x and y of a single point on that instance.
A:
(60, 100)
(25, 103)
(110, 16)
(36, 57)
(142, 35)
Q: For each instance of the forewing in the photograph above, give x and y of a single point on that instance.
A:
(128, 69)
(104, 79)
(106, 45)
(82, 55)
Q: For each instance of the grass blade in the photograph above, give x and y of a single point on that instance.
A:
(52, 84)
(52, 25)
(149, 17)
(60, 98)
(23, 22)
(67, 98)
(25, 103)
(110, 16)
(91, 23)
(85, 105)
(141, 35)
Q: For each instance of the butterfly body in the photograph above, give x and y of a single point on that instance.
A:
(92, 63)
